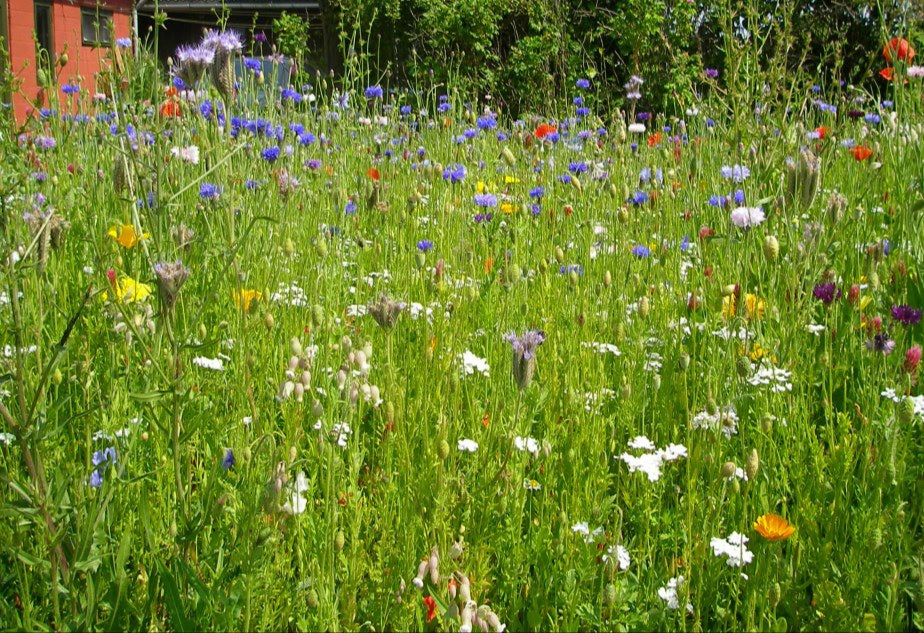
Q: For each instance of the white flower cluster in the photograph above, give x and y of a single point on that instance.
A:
(918, 401)
(584, 530)
(650, 462)
(471, 364)
(734, 548)
(215, 364)
(602, 348)
(291, 295)
(668, 594)
(769, 375)
(724, 417)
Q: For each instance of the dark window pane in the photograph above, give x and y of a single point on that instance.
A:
(43, 35)
(96, 27)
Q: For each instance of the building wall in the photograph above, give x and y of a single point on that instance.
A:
(83, 62)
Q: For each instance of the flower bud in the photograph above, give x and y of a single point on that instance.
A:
(728, 470)
(771, 248)
(743, 366)
(295, 346)
(766, 423)
(313, 599)
(443, 449)
(435, 566)
(269, 321)
(340, 540)
(609, 595)
(607, 279)
(421, 572)
(508, 156)
(644, 307)
(906, 410)
(752, 464)
(773, 595)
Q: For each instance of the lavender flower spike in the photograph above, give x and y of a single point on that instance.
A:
(524, 355)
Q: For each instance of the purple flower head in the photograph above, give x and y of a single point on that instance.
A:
(374, 92)
(827, 293)
(225, 41)
(123, 42)
(424, 246)
(270, 154)
(881, 343)
(209, 191)
(454, 173)
(486, 123)
(737, 173)
(228, 461)
(712, 73)
(641, 251)
(906, 315)
(313, 164)
(524, 355)
(485, 200)
(260, 37)
(45, 142)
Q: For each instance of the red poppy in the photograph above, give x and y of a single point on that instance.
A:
(861, 152)
(568, 210)
(654, 139)
(431, 607)
(705, 232)
(822, 131)
(171, 91)
(544, 130)
(373, 173)
(898, 48)
(887, 73)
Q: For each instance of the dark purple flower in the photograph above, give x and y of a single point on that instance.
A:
(712, 73)
(881, 343)
(906, 315)
(827, 293)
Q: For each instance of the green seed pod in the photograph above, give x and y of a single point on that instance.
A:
(573, 277)
(264, 536)
(774, 594)
(514, 274)
(743, 366)
(57, 377)
(508, 156)
(317, 316)
(752, 464)
(623, 215)
(473, 293)
(443, 449)
(390, 411)
(644, 307)
(313, 599)
(607, 279)
(626, 390)
(609, 594)
(736, 485)
(559, 255)
(288, 247)
(711, 406)
(340, 540)
(576, 183)
(766, 423)
(203, 332)
(728, 470)
(246, 454)
(771, 248)
(320, 247)
(420, 259)
(684, 362)
(269, 321)
(295, 346)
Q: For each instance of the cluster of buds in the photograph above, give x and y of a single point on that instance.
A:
(386, 311)
(298, 372)
(461, 604)
(139, 314)
(353, 377)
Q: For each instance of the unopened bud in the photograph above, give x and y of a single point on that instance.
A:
(644, 307)
(743, 366)
(752, 464)
(340, 540)
(771, 248)
(728, 470)
(269, 321)
(435, 566)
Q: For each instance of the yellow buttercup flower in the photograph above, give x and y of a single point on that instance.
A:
(774, 527)
(506, 207)
(511, 180)
(755, 306)
(246, 297)
(126, 235)
(729, 304)
(128, 290)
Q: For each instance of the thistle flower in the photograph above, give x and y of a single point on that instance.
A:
(524, 355)
(906, 315)
(385, 312)
(826, 293)
(170, 278)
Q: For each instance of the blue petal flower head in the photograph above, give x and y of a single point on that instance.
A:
(374, 92)
(350, 208)
(537, 192)
(254, 65)
(638, 198)
(582, 83)
(454, 173)
(424, 246)
(270, 154)
(228, 461)
(739, 197)
(209, 191)
(485, 200)
(577, 167)
(486, 123)
(641, 251)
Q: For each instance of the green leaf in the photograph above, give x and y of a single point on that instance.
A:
(175, 611)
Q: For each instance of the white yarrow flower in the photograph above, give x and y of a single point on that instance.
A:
(467, 445)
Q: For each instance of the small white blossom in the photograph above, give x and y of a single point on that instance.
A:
(467, 445)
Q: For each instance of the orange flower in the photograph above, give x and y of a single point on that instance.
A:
(773, 527)
(431, 607)
(822, 131)
(861, 152)
(654, 139)
(488, 265)
(887, 73)
(544, 130)
(373, 173)
(899, 48)
(170, 109)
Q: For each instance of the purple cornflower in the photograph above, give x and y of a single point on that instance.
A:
(270, 154)
(350, 207)
(577, 167)
(483, 217)
(45, 142)
(228, 461)
(881, 343)
(254, 65)
(906, 315)
(123, 42)
(485, 200)
(260, 37)
(313, 163)
(524, 355)
(70, 89)
(101, 460)
(638, 198)
(486, 123)
(737, 173)
(712, 73)
(571, 268)
(827, 293)
(374, 92)
(537, 192)
(582, 83)
(633, 88)
(424, 246)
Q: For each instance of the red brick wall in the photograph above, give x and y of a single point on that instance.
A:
(84, 61)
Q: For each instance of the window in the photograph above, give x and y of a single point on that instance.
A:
(96, 27)
(43, 36)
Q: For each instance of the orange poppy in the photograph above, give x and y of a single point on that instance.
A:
(488, 265)
(861, 152)
(544, 130)
(373, 173)
(170, 109)
(898, 48)
(654, 139)
(822, 131)
(773, 527)
(887, 73)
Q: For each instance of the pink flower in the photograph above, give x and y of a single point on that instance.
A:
(912, 358)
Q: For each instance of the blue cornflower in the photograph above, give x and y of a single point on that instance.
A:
(641, 251)
(582, 111)
(270, 154)
(872, 118)
(444, 107)
(709, 122)
(537, 192)
(374, 92)
(228, 461)
(306, 138)
(685, 243)
(313, 164)
(405, 109)
(288, 94)
(454, 173)
(483, 217)
(350, 208)
(251, 184)
(644, 175)
(101, 460)
(638, 198)
(486, 123)
(739, 197)
(717, 201)
(553, 137)
(886, 104)
(582, 83)
(485, 200)
(70, 89)
(209, 191)
(564, 179)
(571, 268)
(470, 133)
(737, 173)
(577, 167)
(424, 246)
(578, 101)
(584, 134)
(252, 64)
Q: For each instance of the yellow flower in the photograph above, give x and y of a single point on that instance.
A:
(506, 207)
(774, 527)
(865, 301)
(728, 306)
(755, 306)
(245, 297)
(480, 188)
(128, 290)
(511, 180)
(126, 236)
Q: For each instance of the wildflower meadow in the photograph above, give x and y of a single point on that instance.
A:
(347, 355)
